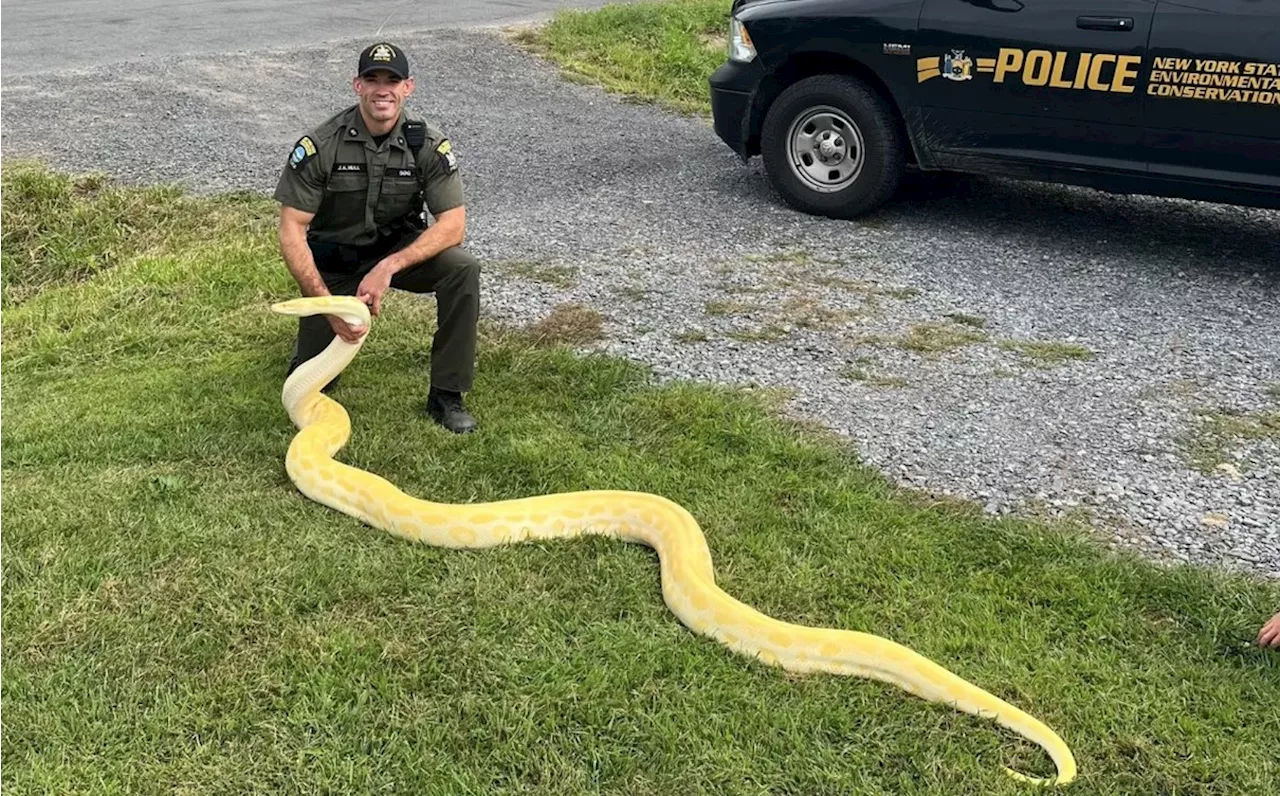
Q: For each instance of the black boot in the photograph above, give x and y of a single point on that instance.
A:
(446, 408)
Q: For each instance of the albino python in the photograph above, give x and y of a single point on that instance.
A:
(688, 578)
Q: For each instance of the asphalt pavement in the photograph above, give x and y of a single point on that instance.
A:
(54, 35)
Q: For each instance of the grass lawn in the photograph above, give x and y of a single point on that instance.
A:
(652, 51)
(177, 618)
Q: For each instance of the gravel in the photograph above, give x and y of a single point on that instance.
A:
(1162, 317)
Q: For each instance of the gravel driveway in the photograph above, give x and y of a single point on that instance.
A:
(1035, 348)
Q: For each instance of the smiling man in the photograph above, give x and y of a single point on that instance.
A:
(355, 194)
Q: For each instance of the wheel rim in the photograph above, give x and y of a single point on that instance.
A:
(825, 149)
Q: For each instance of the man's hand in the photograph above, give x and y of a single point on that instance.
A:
(350, 334)
(374, 284)
(1269, 635)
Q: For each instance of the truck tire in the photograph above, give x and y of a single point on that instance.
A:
(832, 146)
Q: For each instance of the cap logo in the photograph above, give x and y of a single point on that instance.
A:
(382, 52)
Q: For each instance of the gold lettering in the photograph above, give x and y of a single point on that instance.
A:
(1082, 70)
(1008, 60)
(1095, 71)
(1126, 69)
(1059, 61)
(1036, 72)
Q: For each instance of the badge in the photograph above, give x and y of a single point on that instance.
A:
(445, 150)
(957, 66)
(304, 150)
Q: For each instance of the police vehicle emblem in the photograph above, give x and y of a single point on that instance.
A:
(957, 66)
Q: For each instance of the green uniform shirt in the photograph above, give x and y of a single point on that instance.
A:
(360, 191)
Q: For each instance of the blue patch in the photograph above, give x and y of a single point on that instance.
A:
(304, 150)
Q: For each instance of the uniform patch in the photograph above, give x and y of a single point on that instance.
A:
(404, 172)
(445, 150)
(348, 168)
(303, 151)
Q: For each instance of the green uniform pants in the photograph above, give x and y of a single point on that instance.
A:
(453, 276)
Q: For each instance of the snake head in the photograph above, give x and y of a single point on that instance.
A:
(349, 308)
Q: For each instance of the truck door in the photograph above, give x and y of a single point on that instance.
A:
(1213, 96)
(1043, 81)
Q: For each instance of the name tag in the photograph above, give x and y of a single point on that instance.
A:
(349, 167)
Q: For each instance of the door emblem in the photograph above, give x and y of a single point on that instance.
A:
(957, 66)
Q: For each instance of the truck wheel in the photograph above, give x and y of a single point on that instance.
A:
(831, 146)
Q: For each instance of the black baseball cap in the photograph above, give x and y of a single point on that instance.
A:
(384, 56)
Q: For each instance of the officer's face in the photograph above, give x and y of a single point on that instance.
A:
(381, 95)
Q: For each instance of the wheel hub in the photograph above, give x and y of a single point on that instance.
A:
(825, 149)
(830, 148)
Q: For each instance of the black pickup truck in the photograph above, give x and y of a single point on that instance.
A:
(1163, 97)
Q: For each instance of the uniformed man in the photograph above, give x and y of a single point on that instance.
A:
(355, 193)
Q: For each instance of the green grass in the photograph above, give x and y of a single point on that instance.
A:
(561, 276)
(59, 228)
(655, 52)
(177, 618)
(874, 379)
(1047, 352)
(932, 338)
(1215, 431)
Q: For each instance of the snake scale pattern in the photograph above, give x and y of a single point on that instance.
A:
(688, 578)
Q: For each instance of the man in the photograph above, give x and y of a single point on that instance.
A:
(352, 222)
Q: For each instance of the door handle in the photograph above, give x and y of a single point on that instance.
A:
(1104, 23)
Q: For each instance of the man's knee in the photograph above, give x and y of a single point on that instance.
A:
(462, 267)
(452, 271)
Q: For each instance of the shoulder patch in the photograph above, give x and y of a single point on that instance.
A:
(303, 151)
(445, 151)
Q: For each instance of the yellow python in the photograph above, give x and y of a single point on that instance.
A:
(688, 578)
